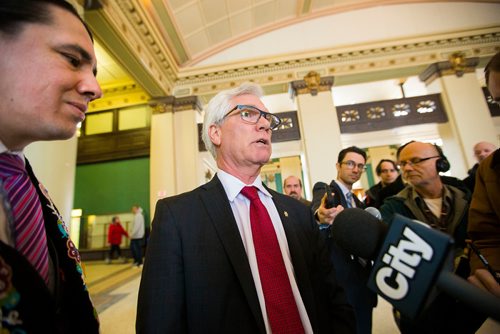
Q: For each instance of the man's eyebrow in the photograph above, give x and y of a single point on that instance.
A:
(83, 53)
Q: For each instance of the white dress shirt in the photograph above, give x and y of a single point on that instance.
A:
(241, 210)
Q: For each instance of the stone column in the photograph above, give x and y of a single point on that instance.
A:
(162, 153)
(174, 147)
(319, 124)
(469, 119)
(186, 142)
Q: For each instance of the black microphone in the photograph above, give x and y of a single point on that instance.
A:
(411, 259)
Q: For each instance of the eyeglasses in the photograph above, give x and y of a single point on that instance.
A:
(415, 161)
(252, 115)
(351, 164)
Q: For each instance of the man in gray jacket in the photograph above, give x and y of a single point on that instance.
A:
(137, 235)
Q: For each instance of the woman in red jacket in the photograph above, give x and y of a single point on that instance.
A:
(115, 233)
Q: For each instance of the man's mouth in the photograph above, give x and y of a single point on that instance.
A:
(263, 141)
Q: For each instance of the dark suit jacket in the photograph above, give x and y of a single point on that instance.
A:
(352, 276)
(24, 294)
(197, 279)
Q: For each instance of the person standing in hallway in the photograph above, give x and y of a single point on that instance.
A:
(292, 187)
(115, 233)
(137, 235)
(233, 256)
(484, 212)
(481, 151)
(47, 79)
(352, 272)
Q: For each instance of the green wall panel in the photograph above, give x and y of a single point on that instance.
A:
(112, 187)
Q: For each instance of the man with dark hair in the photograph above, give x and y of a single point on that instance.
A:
(352, 272)
(47, 79)
(292, 186)
(390, 183)
(233, 256)
(484, 212)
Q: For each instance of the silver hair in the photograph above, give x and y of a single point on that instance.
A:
(219, 106)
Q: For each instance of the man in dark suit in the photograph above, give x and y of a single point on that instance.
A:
(47, 79)
(352, 272)
(204, 271)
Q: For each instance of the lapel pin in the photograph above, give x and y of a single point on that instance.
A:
(285, 213)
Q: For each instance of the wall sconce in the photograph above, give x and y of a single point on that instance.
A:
(313, 81)
(458, 63)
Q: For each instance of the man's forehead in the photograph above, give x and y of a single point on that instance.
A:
(416, 149)
(354, 156)
(249, 99)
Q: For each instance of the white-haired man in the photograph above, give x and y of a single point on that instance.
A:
(233, 256)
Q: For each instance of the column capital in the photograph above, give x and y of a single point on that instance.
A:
(161, 105)
(457, 65)
(311, 84)
(172, 104)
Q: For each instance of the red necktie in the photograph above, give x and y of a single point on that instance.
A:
(29, 230)
(280, 304)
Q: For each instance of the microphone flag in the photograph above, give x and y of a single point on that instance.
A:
(408, 264)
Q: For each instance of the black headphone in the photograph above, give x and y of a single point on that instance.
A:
(442, 164)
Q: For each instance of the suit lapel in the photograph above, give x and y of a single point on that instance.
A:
(220, 213)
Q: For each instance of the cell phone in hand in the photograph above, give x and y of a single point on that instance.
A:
(329, 197)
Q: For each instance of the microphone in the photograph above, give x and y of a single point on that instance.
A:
(411, 260)
(374, 212)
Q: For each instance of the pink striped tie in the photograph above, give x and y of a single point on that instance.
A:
(29, 228)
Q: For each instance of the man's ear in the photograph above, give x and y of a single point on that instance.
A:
(215, 135)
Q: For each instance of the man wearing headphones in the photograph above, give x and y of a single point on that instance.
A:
(431, 200)
(426, 197)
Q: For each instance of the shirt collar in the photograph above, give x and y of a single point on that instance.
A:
(4, 149)
(342, 187)
(233, 185)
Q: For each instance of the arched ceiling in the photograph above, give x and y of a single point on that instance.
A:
(167, 47)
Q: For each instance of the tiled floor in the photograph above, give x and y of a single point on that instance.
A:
(114, 292)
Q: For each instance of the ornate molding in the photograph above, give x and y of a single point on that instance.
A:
(119, 97)
(312, 84)
(457, 65)
(172, 104)
(355, 61)
(130, 21)
(162, 105)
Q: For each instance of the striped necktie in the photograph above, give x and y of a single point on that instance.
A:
(348, 198)
(281, 307)
(29, 231)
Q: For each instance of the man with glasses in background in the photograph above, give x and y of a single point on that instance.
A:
(352, 272)
(233, 256)
(431, 199)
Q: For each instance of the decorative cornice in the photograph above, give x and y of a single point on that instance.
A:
(130, 22)
(457, 65)
(162, 105)
(172, 104)
(312, 84)
(187, 103)
(121, 96)
(353, 61)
